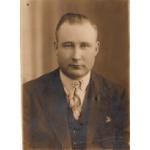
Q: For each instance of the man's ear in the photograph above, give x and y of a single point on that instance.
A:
(97, 47)
(55, 45)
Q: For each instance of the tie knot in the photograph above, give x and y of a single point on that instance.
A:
(76, 84)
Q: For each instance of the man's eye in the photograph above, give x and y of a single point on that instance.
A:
(67, 45)
(84, 45)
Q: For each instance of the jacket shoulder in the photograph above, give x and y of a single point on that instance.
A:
(106, 84)
(41, 81)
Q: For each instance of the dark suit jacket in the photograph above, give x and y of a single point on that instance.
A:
(45, 115)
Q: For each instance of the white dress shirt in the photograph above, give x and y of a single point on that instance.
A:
(68, 87)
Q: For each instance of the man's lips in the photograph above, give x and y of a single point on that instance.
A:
(76, 65)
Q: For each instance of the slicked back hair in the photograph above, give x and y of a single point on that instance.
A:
(73, 18)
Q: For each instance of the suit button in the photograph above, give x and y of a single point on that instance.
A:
(74, 143)
(74, 131)
(81, 124)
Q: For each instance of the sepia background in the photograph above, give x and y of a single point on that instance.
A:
(38, 22)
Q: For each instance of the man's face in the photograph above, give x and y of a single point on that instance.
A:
(76, 48)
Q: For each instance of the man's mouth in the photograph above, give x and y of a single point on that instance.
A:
(77, 66)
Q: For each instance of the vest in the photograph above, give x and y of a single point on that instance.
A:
(78, 128)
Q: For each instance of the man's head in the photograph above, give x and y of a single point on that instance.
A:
(76, 45)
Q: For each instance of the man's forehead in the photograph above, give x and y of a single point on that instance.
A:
(77, 30)
(83, 24)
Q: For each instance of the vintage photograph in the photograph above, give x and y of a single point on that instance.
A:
(75, 74)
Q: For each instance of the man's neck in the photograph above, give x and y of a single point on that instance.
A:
(67, 81)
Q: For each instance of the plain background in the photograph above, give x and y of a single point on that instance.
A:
(38, 22)
(10, 81)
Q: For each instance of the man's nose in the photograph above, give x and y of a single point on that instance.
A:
(76, 53)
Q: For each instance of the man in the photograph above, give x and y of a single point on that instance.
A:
(73, 107)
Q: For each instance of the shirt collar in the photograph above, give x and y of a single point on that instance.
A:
(67, 82)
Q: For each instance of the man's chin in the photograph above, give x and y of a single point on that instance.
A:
(76, 74)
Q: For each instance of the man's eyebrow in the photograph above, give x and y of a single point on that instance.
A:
(86, 43)
(70, 42)
(67, 42)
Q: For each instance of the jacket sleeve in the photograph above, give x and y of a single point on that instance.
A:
(121, 112)
(26, 116)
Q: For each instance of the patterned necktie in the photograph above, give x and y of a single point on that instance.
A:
(74, 99)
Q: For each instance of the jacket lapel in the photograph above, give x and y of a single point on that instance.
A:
(97, 110)
(56, 110)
